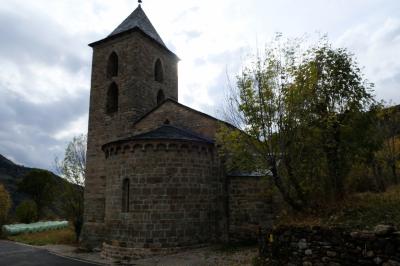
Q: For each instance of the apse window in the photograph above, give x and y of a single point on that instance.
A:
(112, 99)
(125, 195)
(158, 71)
(160, 96)
(112, 66)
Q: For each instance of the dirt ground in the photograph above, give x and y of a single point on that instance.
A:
(195, 257)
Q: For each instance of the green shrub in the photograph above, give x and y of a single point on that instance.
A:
(26, 212)
(360, 179)
(5, 205)
(40, 186)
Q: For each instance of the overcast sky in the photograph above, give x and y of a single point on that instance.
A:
(45, 62)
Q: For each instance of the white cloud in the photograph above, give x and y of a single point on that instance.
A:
(73, 128)
(40, 83)
(45, 62)
(377, 46)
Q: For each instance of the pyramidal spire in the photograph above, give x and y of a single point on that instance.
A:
(138, 19)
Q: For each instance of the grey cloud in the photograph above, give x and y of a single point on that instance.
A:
(390, 87)
(230, 63)
(389, 33)
(30, 39)
(376, 45)
(27, 129)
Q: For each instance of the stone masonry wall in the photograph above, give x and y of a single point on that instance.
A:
(252, 206)
(331, 246)
(178, 116)
(176, 195)
(137, 55)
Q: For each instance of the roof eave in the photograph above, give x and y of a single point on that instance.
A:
(135, 29)
(122, 141)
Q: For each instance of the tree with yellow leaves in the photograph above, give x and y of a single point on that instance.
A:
(5, 204)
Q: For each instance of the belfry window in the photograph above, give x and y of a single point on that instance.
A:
(112, 66)
(125, 195)
(160, 97)
(158, 71)
(112, 99)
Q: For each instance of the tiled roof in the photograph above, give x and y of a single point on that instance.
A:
(138, 19)
(171, 132)
(166, 132)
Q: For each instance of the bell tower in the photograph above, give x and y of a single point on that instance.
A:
(132, 72)
(132, 69)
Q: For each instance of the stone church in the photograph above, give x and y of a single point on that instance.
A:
(154, 180)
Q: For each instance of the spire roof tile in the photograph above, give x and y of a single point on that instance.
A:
(138, 19)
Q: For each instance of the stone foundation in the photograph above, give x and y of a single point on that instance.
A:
(125, 254)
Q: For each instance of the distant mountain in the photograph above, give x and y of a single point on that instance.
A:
(10, 168)
(11, 174)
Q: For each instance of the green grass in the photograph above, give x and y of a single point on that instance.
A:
(54, 237)
(357, 211)
(369, 209)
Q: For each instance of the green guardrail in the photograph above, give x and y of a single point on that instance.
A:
(16, 229)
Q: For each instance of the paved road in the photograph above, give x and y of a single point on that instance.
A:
(12, 254)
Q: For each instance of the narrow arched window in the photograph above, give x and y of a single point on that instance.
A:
(112, 99)
(158, 71)
(160, 96)
(125, 195)
(112, 66)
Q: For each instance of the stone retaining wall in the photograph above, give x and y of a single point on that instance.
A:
(252, 205)
(327, 246)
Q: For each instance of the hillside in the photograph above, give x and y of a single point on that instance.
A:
(11, 174)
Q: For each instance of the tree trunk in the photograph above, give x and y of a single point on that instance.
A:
(281, 187)
(394, 172)
(334, 173)
(294, 181)
(335, 162)
(378, 175)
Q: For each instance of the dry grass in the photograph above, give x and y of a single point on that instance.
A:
(357, 211)
(55, 237)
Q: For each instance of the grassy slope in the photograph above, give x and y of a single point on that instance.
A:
(55, 237)
(358, 211)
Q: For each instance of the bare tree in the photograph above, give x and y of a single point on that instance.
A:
(72, 168)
